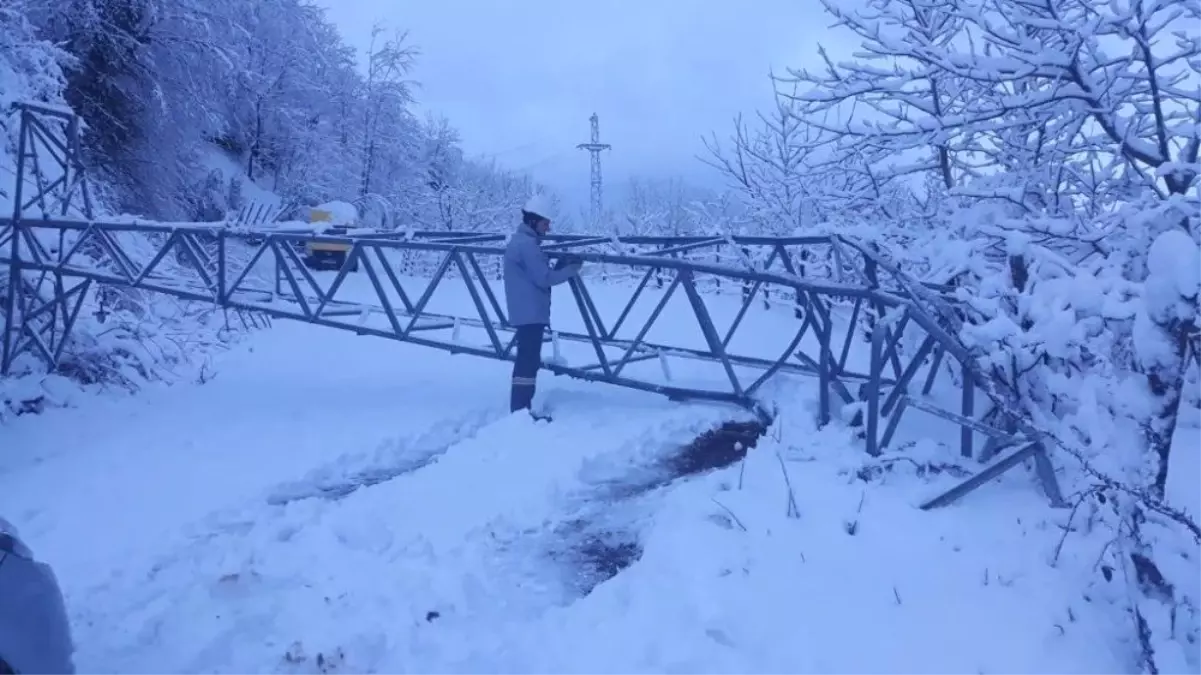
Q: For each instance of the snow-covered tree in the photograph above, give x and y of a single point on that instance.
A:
(161, 83)
(31, 69)
(1031, 152)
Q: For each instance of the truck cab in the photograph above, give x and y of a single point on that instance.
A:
(330, 255)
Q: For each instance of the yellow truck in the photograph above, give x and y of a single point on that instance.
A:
(327, 255)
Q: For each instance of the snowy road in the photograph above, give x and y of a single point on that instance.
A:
(211, 528)
(201, 489)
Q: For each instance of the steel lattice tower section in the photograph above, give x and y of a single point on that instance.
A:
(52, 262)
(594, 147)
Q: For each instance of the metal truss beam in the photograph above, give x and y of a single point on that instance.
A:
(838, 291)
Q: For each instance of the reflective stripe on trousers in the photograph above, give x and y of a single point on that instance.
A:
(525, 365)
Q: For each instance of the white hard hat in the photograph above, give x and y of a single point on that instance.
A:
(538, 205)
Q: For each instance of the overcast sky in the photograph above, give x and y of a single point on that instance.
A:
(520, 78)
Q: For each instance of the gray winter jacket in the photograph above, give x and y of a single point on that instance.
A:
(528, 278)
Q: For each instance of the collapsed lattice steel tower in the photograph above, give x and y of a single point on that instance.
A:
(835, 292)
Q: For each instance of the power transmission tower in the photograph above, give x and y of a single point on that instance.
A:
(594, 148)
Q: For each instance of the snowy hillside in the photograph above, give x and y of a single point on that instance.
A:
(29, 71)
(229, 193)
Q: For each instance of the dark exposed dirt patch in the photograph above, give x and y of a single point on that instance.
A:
(593, 552)
(600, 544)
(31, 406)
(716, 449)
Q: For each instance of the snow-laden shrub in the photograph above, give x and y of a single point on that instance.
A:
(124, 338)
(1100, 351)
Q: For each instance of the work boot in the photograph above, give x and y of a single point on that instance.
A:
(521, 395)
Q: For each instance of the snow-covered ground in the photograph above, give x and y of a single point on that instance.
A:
(339, 503)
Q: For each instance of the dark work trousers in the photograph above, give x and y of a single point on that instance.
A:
(525, 366)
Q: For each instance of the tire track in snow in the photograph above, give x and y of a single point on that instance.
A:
(395, 458)
(399, 573)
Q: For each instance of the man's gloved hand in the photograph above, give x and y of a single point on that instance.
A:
(568, 260)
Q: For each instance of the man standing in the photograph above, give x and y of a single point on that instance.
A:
(528, 280)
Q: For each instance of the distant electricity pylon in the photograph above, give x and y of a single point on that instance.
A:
(594, 148)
